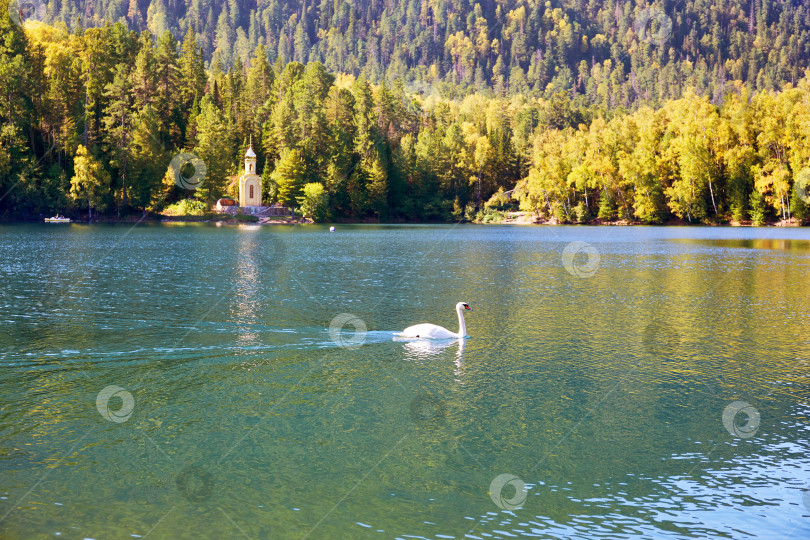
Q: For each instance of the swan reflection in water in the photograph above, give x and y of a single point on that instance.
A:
(420, 349)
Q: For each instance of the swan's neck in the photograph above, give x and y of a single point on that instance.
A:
(462, 328)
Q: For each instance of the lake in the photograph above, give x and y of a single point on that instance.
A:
(187, 381)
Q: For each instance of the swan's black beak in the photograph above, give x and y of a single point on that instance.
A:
(468, 308)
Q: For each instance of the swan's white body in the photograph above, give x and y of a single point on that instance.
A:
(432, 331)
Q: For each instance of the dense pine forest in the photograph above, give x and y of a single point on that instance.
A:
(432, 110)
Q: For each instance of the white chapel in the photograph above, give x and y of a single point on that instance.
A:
(250, 183)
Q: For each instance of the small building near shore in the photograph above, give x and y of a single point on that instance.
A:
(250, 183)
(250, 192)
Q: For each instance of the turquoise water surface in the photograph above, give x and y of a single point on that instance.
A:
(195, 381)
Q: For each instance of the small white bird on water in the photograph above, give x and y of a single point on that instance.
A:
(432, 331)
(332, 228)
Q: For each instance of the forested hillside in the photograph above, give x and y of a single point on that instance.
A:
(415, 110)
(613, 52)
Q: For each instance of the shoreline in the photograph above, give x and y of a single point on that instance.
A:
(528, 219)
(513, 218)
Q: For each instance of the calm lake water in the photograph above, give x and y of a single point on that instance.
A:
(183, 381)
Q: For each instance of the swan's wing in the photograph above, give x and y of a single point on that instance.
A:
(426, 330)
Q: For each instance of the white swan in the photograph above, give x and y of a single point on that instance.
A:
(432, 331)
